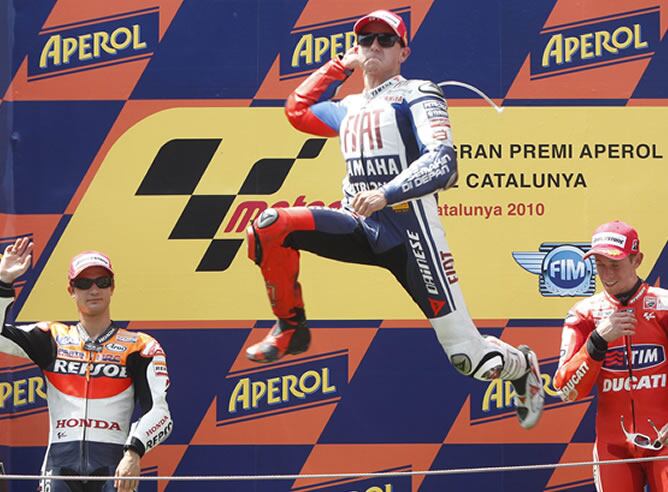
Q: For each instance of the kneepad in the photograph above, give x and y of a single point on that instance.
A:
(485, 358)
(272, 226)
(266, 219)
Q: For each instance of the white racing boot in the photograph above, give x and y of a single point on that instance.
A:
(530, 393)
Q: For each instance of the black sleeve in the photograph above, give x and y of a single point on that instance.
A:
(597, 346)
(33, 341)
(137, 367)
(150, 384)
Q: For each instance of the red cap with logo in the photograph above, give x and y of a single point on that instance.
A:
(615, 240)
(87, 259)
(392, 20)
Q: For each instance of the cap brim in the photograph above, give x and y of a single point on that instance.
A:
(611, 253)
(360, 24)
(79, 272)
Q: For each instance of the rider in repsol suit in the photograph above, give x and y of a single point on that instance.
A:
(95, 373)
(397, 144)
(618, 340)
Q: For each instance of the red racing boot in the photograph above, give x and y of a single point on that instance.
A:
(290, 336)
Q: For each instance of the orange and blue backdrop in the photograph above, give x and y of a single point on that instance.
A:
(153, 130)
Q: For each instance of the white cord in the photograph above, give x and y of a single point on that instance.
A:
(452, 471)
(474, 89)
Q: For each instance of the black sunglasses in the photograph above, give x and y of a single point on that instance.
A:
(87, 283)
(385, 39)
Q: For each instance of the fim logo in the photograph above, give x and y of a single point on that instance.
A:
(561, 268)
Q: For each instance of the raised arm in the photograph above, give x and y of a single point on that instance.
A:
(32, 341)
(309, 108)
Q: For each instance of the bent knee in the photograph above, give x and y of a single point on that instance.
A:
(270, 228)
(271, 225)
(268, 218)
(261, 232)
(279, 222)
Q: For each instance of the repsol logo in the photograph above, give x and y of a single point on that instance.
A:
(643, 356)
(596, 42)
(294, 386)
(160, 436)
(89, 44)
(87, 423)
(92, 369)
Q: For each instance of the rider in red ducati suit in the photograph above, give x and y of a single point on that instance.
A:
(396, 141)
(618, 340)
(95, 373)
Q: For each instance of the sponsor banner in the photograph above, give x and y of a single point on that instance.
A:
(384, 484)
(169, 178)
(85, 45)
(309, 47)
(599, 51)
(283, 388)
(592, 43)
(521, 185)
(494, 401)
(22, 392)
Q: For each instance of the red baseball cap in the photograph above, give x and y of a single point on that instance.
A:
(392, 20)
(87, 259)
(615, 240)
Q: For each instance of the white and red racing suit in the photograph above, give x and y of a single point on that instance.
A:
(395, 137)
(92, 387)
(636, 391)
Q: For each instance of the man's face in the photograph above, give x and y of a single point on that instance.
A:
(377, 59)
(95, 300)
(618, 276)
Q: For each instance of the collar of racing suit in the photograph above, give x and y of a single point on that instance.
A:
(624, 297)
(370, 94)
(96, 343)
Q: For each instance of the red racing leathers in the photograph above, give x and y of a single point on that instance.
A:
(637, 392)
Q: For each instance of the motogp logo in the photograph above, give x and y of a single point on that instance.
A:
(561, 268)
(643, 356)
